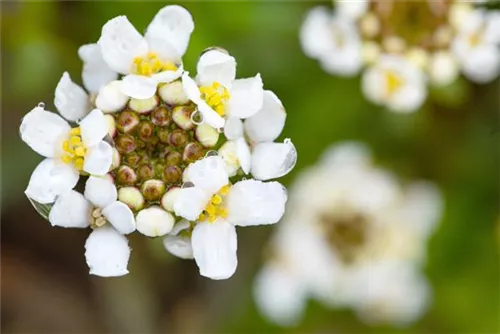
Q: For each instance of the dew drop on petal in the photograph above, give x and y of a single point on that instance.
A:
(42, 209)
(220, 130)
(211, 153)
(188, 185)
(41, 105)
(287, 141)
(197, 118)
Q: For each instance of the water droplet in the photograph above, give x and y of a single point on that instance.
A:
(220, 130)
(187, 185)
(287, 141)
(41, 105)
(197, 118)
(243, 179)
(42, 209)
(211, 153)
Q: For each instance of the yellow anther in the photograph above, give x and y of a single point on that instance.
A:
(212, 219)
(75, 140)
(225, 190)
(152, 55)
(210, 209)
(80, 151)
(169, 67)
(220, 110)
(151, 64)
(393, 82)
(65, 145)
(216, 199)
(66, 159)
(216, 85)
(202, 217)
(79, 163)
(75, 131)
(137, 60)
(223, 212)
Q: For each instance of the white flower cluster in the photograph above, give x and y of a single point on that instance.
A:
(401, 46)
(351, 237)
(160, 152)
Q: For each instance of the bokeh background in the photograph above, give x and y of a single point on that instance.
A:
(453, 141)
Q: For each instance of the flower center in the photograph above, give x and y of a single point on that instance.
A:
(215, 208)
(151, 64)
(393, 82)
(347, 234)
(74, 149)
(96, 218)
(216, 96)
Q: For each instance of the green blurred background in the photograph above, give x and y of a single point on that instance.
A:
(453, 141)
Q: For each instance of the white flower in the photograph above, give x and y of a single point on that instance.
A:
(261, 157)
(217, 92)
(355, 226)
(333, 40)
(443, 68)
(149, 60)
(395, 83)
(96, 73)
(107, 250)
(68, 151)
(352, 9)
(476, 46)
(217, 207)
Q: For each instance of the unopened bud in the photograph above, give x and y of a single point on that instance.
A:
(115, 160)
(370, 25)
(110, 98)
(132, 158)
(394, 44)
(154, 221)
(173, 93)
(127, 121)
(173, 158)
(178, 138)
(132, 197)
(110, 122)
(228, 152)
(153, 190)
(126, 176)
(172, 174)
(207, 135)
(168, 200)
(146, 130)
(161, 116)
(193, 152)
(125, 144)
(143, 106)
(145, 171)
(163, 135)
(181, 115)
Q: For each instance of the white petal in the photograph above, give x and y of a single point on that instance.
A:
(94, 128)
(138, 86)
(315, 36)
(70, 99)
(98, 159)
(168, 76)
(43, 131)
(443, 68)
(111, 97)
(120, 216)
(352, 9)
(191, 202)
(154, 221)
(51, 178)
(246, 97)
(229, 153)
(107, 252)
(165, 51)
(70, 210)
(96, 73)
(273, 160)
(233, 129)
(173, 24)
(192, 91)
(267, 124)
(208, 174)
(216, 66)
(482, 65)
(100, 191)
(120, 43)
(348, 154)
(244, 155)
(179, 245)
(252, 202)
(279, 295)
(214, 249)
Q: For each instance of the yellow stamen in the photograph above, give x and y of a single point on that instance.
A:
(75, 131)
(151, 64)
(393, 82)
(216, 199)
(224, 190)
(74, 149)
(80, 151)
(215, 208)
(216, 96)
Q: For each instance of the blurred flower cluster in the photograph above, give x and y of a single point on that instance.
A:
(158, 151)
(401, 47)
(353, 236)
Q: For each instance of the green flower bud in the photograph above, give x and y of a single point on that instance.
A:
(193, 152)
(143, 106)
(132, 197)
(161, 116)
(169, 198)
(181, 116)
(125, 144)
(207, 135)
(111, 124)
(178, 138)
(145, 171)
(163, 135)
(153, 190)
(172, 174)
(173, 93)
(126, 176)
(146, 130)
(132, 159)
(173, 158)
(127, 121)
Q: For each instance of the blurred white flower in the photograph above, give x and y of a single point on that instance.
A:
(362, 240)
(395, 83)
(149, 60)
(333, 40)
(68, 151)
(216, 207)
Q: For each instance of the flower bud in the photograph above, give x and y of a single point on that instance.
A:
(132, 197)
(193, 152)
(163, 135)
(173, 158)
(132, 159)
(154, 221)
(125, 144)
(143, 106)
(126, 176)
(152, 190)
(115, 160)
(172, 174)
(145, 171)
(161, 116)
(110, 98)
(146, 130)
(110, 122)
(370, 25)
(181, 115)
(207, 135)
(127, 121)
(178, 138)
(169, 198)
(173, 93)
(228, 152)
